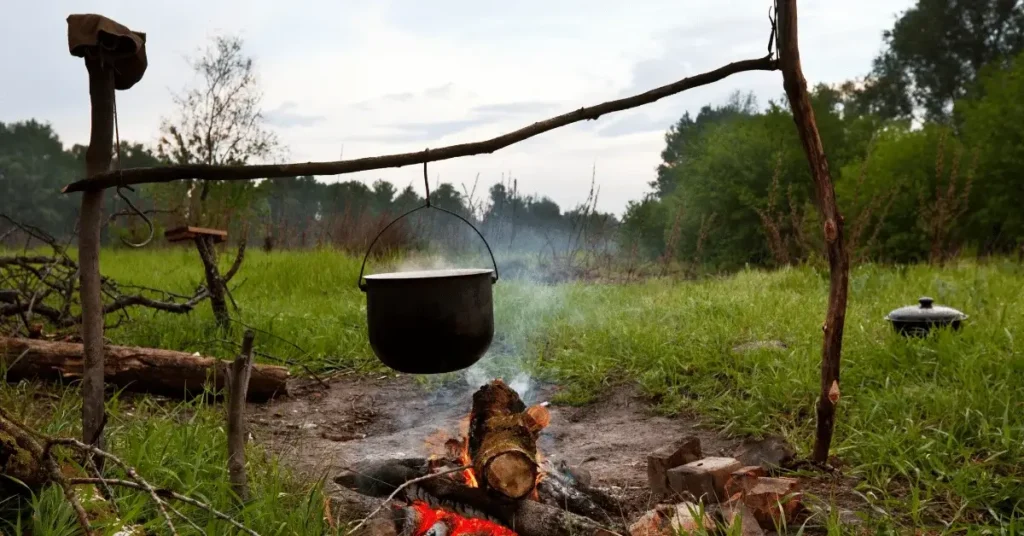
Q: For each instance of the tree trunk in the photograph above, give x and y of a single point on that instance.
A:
(503, 441)
(838, 259)
(214, 281)
(97, 160)
(150, 370)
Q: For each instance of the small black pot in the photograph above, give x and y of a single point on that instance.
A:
(430, 322)
(917, 321)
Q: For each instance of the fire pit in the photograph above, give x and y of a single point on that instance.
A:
(488, 475)
(492, 479)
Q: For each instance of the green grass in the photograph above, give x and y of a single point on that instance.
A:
(933, 428)
(180, 446)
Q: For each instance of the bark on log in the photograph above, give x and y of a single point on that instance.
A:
(838, 259)
(151, 370)
(526, 517)
(503, 441)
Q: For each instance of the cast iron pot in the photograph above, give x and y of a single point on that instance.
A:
(920, 319)
(433, 321)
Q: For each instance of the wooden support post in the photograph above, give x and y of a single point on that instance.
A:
(238, 385)
(97, 160)
(838, 259)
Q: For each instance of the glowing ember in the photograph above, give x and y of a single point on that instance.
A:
(439, 522)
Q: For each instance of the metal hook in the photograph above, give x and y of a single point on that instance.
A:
(141, 214)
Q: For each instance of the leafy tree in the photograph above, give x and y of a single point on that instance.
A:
(218, 122)
(686, 131)
(33, 168)
(993, 125)
(935, 51)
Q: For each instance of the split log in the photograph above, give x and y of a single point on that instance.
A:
(150, 370)
(503, 441)
(526, 517)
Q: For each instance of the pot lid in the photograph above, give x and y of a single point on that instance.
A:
(426, 274)
(925, 311)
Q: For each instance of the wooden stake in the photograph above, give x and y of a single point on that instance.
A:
(97, 161)
(838, 259)
(238, 384)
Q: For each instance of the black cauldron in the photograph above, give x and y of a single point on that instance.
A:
(432, 321)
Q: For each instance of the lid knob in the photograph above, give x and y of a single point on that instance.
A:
(926, 302)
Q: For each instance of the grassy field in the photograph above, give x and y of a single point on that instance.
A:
(933, 429)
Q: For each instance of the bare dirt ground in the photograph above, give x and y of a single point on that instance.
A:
(320, 431)
(366, 418)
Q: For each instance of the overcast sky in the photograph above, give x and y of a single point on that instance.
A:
(374, 77)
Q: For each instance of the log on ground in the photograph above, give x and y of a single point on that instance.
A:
(503, 441)
(151, 370)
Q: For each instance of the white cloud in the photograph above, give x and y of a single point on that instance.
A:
(400, 75)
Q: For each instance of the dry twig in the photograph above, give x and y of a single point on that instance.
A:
(402, 487)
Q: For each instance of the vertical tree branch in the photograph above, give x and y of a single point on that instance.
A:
(238, 385)
(97, 160)
(838, 261)
(214, 281)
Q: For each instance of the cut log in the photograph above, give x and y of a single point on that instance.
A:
(150, 370)
(526, 518)
(503, 441)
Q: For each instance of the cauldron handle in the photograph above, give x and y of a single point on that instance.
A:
(362, 285)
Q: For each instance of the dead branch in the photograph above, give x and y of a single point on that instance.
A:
(273, 171)
(44, 286)
(41, 449)
(165, 493)
(402, 487)
(838, 259)
(238, 387)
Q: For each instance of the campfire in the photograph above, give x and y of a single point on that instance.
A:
(490, 479)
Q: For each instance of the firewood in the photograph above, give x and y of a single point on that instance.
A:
(526, 517)
(503, 441)
(150, 370)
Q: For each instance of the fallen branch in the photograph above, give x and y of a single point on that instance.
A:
(235, 173)
(151, 370)
(40, 448)
(165, 493)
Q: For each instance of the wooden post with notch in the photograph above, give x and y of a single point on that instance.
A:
(238, 386)
(838, 259)
(115, 58)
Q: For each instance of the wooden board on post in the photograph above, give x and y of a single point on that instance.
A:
(181, 234)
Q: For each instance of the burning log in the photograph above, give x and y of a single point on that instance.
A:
(150, 370)
(526, 518)
(503, 441)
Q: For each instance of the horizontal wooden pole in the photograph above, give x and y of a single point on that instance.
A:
(132, 176)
